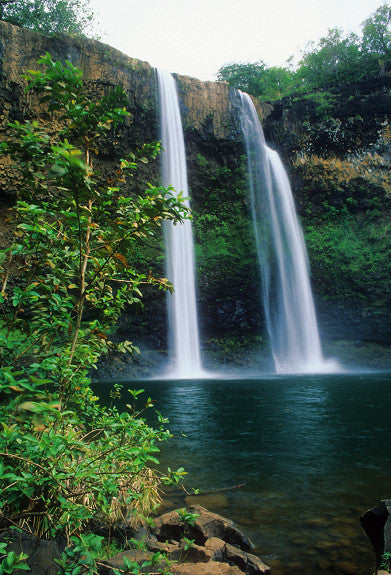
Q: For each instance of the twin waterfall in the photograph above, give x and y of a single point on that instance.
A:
(182, 307)
(287, 297)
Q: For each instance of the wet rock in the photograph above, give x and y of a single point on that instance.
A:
(198, 554)
(247, 562)
(377, 525)
(217, 546)
(213, 525)
(211, 568)
(171, 526)
(41, 553)
(172, 550)
(220, 548)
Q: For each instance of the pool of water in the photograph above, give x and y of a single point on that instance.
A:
(293, 460)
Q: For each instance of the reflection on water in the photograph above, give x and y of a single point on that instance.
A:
(312, 451)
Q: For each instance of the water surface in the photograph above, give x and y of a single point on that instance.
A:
(311, 453)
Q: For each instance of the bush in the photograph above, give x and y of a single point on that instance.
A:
(67, 462)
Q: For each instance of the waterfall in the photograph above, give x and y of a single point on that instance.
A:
(182, 309)
(287, 295)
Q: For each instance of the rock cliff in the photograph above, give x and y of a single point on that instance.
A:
(338, 149)
(338, 165)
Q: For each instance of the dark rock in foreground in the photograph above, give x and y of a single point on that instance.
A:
(207, 544)
(219, 547)
(377, 525)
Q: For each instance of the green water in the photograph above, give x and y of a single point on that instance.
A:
(310, 454)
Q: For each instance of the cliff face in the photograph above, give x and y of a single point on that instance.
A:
(206, 106)
(338, 165)
(338, 150)
(214, 147)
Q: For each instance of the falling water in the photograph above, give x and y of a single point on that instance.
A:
(182, 309)
(287, 296)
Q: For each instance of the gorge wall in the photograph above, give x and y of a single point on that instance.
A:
(339, 168)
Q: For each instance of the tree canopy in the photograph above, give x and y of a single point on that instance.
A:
(49, 16)
(376, 39)
(337, 57)
(258, 79)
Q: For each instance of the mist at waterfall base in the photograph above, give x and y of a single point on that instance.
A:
(310, 452)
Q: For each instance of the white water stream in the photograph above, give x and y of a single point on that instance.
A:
(287, 295)
(182, 308)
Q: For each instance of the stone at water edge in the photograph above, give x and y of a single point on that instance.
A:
(213, 552)
(247, 562)
(170, 526)
(377, 525)
(211, 568)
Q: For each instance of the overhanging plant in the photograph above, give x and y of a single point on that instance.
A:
(66, 461)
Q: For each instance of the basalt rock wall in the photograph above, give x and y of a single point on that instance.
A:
(338, 165)
(337, 147)
(214, 150)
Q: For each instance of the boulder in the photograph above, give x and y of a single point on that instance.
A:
(170, 526)
(219, 547)
(211, 568)
(247, 562)
(41, 553)
(376, 523)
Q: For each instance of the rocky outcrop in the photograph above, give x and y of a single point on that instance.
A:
(338, 163)
(207, 106)
(208, 544)
(377, 525)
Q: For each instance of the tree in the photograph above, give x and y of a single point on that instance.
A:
(67, 462)
(258, 80)
(243, 77)
(376, 40)
(337, 58)
(49, 16)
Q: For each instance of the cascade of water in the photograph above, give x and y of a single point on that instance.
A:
(182, 309)
(287, 295)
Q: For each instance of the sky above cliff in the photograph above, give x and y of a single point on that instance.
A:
(197, 37)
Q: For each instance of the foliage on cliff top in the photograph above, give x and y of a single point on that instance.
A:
(73, 17)
(66, 461)
(337, 58)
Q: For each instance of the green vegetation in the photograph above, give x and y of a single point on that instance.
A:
(335, 135)
(68, 464)
(224, 246)
(10, 561)
(259, 80)
(386, 561)
(347, 225)
(72, 17)
(337, 58)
